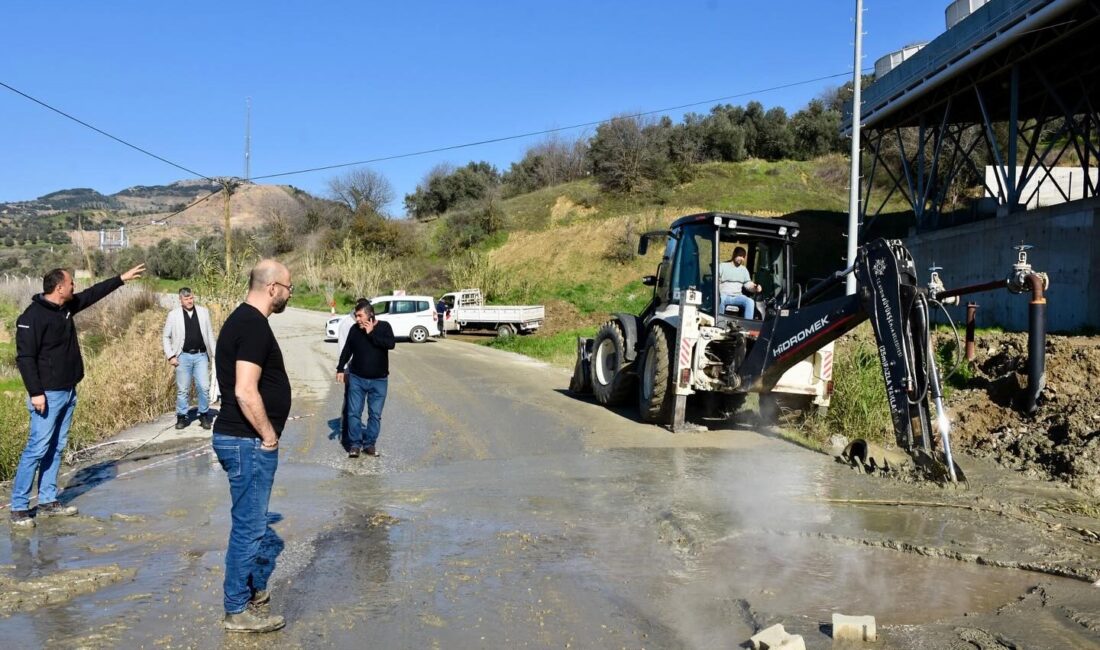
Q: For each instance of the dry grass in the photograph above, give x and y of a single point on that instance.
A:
(577, 252)
(126, 383)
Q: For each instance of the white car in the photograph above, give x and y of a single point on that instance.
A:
(411, 317)
(332, 328)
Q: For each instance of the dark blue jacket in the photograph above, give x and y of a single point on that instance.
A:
(47, 350)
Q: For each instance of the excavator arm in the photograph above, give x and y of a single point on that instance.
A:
(889, 297)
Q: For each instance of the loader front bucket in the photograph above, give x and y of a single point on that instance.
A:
(581, 381)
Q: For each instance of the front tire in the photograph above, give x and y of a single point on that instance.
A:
(504, 330)
(656, 392)
(418, 334)
(610, 382)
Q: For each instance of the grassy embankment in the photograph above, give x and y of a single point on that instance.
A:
(571, 245)
(126, 379)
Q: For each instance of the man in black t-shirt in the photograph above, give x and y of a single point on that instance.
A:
(255, 405)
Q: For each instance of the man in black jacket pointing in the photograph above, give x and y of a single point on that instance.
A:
(48, 356)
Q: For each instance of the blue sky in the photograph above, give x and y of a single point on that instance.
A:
(336, 82)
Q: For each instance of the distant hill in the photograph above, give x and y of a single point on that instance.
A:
(144, 208)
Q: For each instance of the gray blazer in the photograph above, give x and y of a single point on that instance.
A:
(174, 332)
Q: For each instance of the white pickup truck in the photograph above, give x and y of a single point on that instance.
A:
(466, 310)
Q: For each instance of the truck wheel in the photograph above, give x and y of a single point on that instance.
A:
(418, 334)
(656, 393)
(610, 383)
(505, 330)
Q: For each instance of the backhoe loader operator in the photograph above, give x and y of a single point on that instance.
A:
(735, 282)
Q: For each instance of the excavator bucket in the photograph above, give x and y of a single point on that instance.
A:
(934, 466)
(868, 457)
(581, 381)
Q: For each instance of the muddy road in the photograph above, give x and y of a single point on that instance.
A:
(505, 513)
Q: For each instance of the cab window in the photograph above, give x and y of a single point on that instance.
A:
(694, 264)
(381, 307)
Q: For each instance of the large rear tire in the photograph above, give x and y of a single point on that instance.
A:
(656, 392)
(610, 383)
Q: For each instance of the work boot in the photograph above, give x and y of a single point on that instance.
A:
(181, 421)
(370, 451)
(55, 509)
(353, 452)
(252, 620)
(21, 519)
(205, 421)
(260, 597)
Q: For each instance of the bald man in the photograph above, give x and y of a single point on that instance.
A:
(255, 405)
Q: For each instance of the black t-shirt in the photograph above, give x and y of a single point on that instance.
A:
(247, 336)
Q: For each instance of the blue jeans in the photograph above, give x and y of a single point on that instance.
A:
(748, 306)
(48, 434)
(251, 473)
(373, 392)
(192, 366)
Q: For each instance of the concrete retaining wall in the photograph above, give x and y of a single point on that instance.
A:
(1066, 238)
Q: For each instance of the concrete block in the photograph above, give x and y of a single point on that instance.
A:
(776, 638)
(854, 628)
(769, 637)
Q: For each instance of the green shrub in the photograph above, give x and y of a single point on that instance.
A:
(558, 349)
(14, 423)
(859, 408)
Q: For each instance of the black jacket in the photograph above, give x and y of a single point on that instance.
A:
(47, 349)
(369, 353)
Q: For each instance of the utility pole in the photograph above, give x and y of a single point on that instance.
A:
(228, 184)
(857, 123)
(248, 140)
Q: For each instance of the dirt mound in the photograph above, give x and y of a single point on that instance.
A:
(1062, 439)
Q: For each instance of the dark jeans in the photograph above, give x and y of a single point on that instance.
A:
(373, 392)
(251, 472)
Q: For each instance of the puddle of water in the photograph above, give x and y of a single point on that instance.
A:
(816, 578)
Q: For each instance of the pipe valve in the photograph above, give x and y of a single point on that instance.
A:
(935, 286)
(1018, 279)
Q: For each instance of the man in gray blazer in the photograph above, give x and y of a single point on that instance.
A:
(189, 344)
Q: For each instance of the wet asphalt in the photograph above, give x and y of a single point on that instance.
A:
(504, 512)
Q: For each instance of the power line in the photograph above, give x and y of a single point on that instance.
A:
(548, 131)
(163, 221)
(403, 155)
(102, 132)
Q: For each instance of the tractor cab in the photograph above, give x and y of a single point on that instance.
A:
(699, 254)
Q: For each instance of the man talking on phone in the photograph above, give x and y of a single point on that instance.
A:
(368, 346)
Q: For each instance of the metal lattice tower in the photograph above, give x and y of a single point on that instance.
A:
(1012, 85)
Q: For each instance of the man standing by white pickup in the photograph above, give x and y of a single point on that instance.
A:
(189, 344)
